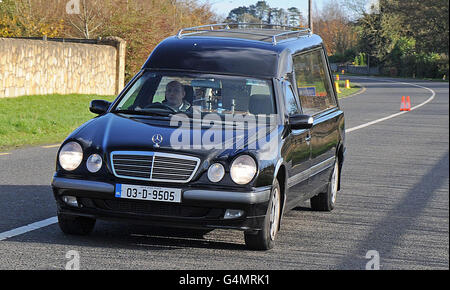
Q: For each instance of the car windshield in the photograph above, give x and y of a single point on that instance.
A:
(159, 93)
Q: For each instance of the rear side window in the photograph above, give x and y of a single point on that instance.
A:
(314, 88)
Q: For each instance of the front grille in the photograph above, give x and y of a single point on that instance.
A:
(175, 169)
(132, 165)
(154, 166)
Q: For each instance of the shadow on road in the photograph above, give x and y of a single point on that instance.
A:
(141, 237)
(387, 233)
(24, 204)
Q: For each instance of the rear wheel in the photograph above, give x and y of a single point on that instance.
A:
(265, 238)
(326, 201)
(76, 225)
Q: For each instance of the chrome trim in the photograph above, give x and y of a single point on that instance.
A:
(155, 154)
(153, 163)
(322, 166)
(226, 28)
(304, 175)
(299, 177)
(257, 196)
(87, 185)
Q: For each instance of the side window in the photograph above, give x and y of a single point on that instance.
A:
(313, 84)
(291, 102)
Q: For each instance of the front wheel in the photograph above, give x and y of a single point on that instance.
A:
(76, 225)
(326, 201)
(265, 238)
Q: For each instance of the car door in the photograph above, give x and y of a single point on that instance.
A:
(318, 99)
(297, 152)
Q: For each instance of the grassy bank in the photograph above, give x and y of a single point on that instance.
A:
(354, 88)
(35, 120)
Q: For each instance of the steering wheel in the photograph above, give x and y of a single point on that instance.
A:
(160, 106)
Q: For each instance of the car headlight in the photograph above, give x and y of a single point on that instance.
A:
(216, 172)
(243, 169)
(94, 163)
(70, 156)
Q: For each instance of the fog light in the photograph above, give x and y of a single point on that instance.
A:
(216, 172)
(233, 213)
(94, 163)
(70, 200)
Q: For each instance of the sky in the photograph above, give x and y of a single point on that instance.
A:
(223, 7)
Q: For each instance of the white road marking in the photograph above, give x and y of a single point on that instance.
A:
(53, 220)
(28, 228)
(362, 90)
(433, 94)
(51, 146)
(46, 147)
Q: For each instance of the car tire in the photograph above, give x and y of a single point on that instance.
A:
(326, 201)
(264, 239)
(76, 225)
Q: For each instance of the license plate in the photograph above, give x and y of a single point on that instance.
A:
(150, 193)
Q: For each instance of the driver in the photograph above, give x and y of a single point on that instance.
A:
(175, 97)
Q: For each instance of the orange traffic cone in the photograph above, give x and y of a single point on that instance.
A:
(408, 104)
(347, 84)
(403, 104)
(337, 77)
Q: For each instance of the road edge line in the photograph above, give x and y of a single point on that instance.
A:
(433, 94)
(28, 228)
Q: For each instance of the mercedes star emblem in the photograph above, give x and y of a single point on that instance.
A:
(157, 139)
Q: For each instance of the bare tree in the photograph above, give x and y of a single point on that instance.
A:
(91, 17)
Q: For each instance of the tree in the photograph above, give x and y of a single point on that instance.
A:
(280, 16)
(22, 18)
(91, 17)
(336, 30)
(295, 17)
(425, 21)
(143, 24)
(261, 12)
(408, 37)
(235, 15)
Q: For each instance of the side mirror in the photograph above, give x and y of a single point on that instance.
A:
(301, 122)
(99, 106)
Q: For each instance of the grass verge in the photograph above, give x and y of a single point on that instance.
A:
(43, 119)
(354, 88)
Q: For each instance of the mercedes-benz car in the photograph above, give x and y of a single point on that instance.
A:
(226, 126)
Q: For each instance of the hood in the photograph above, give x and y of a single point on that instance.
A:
(114, 132)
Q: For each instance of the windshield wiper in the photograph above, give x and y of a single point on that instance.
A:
(143, 112)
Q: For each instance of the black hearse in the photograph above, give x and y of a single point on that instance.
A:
(226, 126)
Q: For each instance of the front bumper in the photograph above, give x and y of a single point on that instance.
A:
(199, 208)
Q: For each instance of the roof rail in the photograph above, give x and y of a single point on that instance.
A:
(305, 31)
(291, 32)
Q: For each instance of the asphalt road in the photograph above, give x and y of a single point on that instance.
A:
(394, 200)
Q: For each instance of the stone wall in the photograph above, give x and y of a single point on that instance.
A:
(32, 67)
(355, 69)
